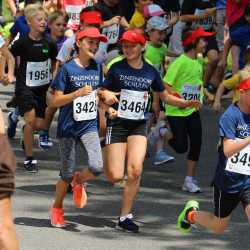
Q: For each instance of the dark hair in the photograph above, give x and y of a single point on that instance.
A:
(185, 34)
(89, 8)
(247, 10)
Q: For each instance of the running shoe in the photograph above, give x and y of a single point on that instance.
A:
(57, 217)
(182, 223)
(191, 187)
(44, 141)
(128, 225)
(12, 124)
(79, 192)
(162, 157)
(30, 165)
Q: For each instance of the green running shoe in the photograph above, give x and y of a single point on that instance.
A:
(182, 223)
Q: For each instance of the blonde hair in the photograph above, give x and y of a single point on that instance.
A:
(32, 10)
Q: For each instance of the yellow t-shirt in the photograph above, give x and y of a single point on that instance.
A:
(231, 84)
(137, 20)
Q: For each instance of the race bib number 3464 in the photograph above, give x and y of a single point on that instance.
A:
(240, 162)
(132, 104)
(84, 108)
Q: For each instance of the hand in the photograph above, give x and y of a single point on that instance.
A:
(109, 97)
(86, 90)
(217, 106)
(4, 80)
(112, 113)
(11, 78)
(210, 11)
(194, 104)
(115, 20)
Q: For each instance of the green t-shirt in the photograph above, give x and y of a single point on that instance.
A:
(155, 55)
(184, 75)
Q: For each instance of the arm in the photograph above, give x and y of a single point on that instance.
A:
(2, 128)
(12, 7)
(193, 18)
(60, 99)
(232, 147)
(10, 62)
(178, 102)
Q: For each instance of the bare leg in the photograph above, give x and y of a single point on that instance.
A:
(191, 168)
(8, 237)
(211, 222)
(61, 191)
(247, 210)
(137, 146)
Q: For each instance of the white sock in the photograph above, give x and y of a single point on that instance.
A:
(188, 178)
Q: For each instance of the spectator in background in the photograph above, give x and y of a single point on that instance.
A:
(138, 19)
(199, 13)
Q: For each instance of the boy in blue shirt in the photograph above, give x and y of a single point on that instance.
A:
(232, 177)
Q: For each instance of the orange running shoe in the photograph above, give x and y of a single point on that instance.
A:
(57, 217)
(79, 192)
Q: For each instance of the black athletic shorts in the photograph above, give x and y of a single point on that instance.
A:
(225, 203)
(211, 44)
(28, 99)
(119, 132)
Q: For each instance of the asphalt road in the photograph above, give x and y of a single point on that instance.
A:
(93, 228)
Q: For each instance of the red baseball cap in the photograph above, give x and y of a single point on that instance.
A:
(92, 33)
(244, 85)
(133, 37)
(199, 32)
(91, 17)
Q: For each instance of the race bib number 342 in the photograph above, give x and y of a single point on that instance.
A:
(132, 104)
(240, 162)
(84, 108)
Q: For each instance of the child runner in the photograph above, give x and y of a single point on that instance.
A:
(126, 134)
(75, 88)
(184, 77)
(155, 52)
(37, 56)
(232, 177)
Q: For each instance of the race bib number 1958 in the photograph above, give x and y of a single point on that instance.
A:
(38, 73)
(132, 104)
(84, 108)
(240, 162)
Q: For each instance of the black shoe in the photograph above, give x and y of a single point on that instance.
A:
(128, 225)
(30, 165)
(211, 88)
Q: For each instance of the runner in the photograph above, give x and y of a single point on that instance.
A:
(232, 177)
(37, 57)
(155, 52)
(126, 138)
(8, 238)
(184, 77)
(75, 89)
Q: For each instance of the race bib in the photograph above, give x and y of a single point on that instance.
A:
(191, 92)
(85, 107)
(38, 73)
(112, 33)
(207, 23)
(132, 104)
(73, 12)
(240, 162)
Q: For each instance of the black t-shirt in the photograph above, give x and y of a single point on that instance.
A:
(108, 12)
(127, 8)
(34, 70)
(197, 7)
(169, 5)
